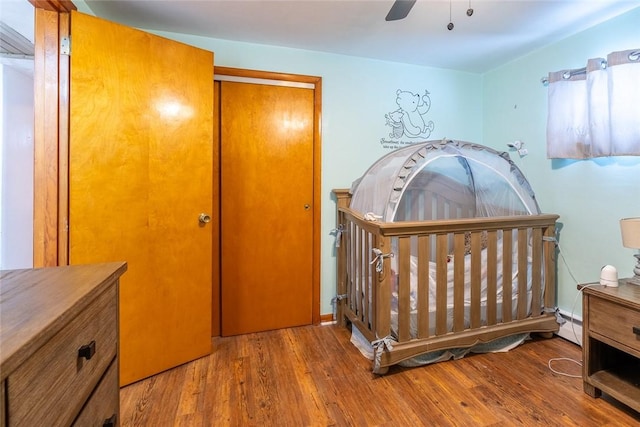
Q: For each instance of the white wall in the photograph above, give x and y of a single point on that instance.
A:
(16, 179)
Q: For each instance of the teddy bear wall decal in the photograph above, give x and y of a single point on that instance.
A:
(408, 121)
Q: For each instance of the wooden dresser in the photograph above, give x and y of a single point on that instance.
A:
(59, 346)
(611, 342)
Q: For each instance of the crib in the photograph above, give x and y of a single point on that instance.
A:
(414, 287)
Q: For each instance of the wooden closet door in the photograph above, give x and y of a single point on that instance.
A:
(266, 206)
(140, 174)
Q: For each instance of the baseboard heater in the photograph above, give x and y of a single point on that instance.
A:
(571, 330)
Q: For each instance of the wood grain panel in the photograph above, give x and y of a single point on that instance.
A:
(476, 279)
(216, 302)
(45, 202)
(382, 291)
(266, 181)
(317, 166)
(315, 376)
(140, 173)
(423, 285)
(3, 411)
(46, 315)
(180, 189)
(63, 146)
(441, 284)
(615, 322)
(54, 382)
(50, 298)
(492, 277)
(404, 288)
(459, 281)
(104, 402)
(54, 5)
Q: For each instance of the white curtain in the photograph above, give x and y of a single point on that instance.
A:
(598, 100)
(595, 111)
(567, 135)
(624, 102)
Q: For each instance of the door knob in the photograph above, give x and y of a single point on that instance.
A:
(204, 218)
(307, 207)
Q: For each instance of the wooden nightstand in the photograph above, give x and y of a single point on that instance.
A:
(611, 342)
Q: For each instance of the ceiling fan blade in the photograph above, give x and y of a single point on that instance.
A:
(399, 10)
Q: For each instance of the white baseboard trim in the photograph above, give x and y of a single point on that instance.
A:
(328, 322)
(571, 330)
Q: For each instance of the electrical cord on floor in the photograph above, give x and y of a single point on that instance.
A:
(568, 359)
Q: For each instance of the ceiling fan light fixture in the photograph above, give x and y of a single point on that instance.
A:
(399, 10)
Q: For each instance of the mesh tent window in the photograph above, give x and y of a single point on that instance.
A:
(440, 180)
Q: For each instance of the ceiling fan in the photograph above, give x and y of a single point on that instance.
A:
(399, 10)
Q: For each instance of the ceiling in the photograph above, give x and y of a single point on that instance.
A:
(496, 33)
(17, 35)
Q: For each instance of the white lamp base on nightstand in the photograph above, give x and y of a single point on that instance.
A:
(635, 280)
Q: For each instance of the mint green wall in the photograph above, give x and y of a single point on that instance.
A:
(590, 195)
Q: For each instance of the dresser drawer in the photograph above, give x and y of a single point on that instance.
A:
(55, 381)
(102, 409)
(614, 321)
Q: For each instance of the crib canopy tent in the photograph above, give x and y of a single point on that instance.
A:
(406, 184)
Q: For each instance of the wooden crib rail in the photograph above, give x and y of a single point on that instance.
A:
(370, 306)
(413, 228)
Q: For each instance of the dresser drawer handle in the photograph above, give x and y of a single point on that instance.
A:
(110, 422)
(636, 330)
(88, 350)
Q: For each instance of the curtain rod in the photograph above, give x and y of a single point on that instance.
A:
(568, 74)
(633, 56)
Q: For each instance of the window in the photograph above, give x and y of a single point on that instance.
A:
(593, 111)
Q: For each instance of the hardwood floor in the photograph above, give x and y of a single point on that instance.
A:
(313, 376)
